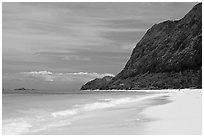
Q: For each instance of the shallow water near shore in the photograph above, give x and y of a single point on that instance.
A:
(78, 112)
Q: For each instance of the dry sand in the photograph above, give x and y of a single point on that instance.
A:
(182, 116)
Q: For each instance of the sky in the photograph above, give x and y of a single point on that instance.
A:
(64, 45)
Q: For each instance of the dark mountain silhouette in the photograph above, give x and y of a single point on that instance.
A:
(96, 83)
(168, 56)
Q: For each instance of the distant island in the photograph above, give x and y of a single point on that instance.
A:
(23, 89)
(19, 90)
(169, 56)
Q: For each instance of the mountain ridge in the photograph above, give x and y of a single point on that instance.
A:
(169, 55)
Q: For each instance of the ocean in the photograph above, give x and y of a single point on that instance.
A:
(78, 112)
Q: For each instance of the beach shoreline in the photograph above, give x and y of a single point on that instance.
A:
(121, 113)
(142, 90)
(156, 117)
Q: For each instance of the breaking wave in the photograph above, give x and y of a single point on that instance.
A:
(15, 126)
(43, 119)
(101, 104)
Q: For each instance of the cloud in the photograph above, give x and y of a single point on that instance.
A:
(46, 75)
(63, 55)
(76, 58)
(64, 77)
(94, 37)
(39, 73)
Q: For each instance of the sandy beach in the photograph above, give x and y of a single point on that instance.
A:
(105, 113)
(173, 113)
(182, 116)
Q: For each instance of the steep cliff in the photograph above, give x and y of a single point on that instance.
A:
(168, 56)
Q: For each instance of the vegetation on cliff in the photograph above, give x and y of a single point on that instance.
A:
(97, 83)
(168, 56)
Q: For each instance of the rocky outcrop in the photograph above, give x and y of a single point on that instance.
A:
(97, 83)
(168, 56)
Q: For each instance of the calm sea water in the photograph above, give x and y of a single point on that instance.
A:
(78, 112)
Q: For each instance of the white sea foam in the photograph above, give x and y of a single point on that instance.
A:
(101, 104)
(65, 113)
(115, 102)
(50, 124)
(23, 125)
(106, 99)
(97, 105)
(15, 126)
(44, 119)
(91, 106)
